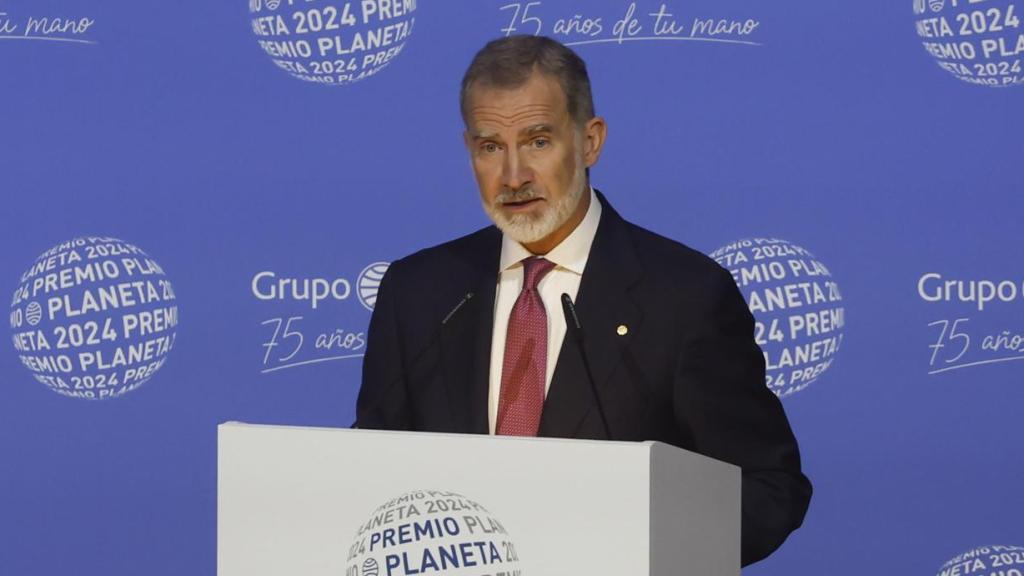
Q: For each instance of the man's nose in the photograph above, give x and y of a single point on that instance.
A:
(516, 171)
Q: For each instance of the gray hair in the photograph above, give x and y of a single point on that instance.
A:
(509, 62)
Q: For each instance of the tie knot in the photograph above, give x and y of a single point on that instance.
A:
(533, 270)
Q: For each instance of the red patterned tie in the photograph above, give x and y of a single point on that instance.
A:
(524, 368)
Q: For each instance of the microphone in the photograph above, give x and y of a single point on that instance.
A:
(572, 322)
(448, 316)
(419, 355)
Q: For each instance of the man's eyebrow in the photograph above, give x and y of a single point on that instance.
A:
(539, 128)
(482, 135)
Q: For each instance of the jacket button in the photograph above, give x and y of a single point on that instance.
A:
(622, 330)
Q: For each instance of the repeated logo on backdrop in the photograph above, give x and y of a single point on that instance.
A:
(94, 318)
(31, 24)
(970, 325)
(369, 283)
(306, 330)
(332, 43)
(797, 307)
(977, 41)
(426, 532)
(986, 561)
(632, 22)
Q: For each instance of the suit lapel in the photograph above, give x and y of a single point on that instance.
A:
(604, 303)
(466, 338)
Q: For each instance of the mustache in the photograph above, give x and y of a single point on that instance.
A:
(521, 195)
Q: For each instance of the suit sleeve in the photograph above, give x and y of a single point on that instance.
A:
(731, 415)
(383, 402)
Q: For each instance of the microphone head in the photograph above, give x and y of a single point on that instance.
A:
(571, 319)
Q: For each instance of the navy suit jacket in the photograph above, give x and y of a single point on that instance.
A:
(687, 372)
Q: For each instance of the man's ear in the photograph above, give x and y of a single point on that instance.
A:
(595, 131)
(467, 139)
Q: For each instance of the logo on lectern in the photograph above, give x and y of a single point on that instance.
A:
(370, 567)
(430, 531)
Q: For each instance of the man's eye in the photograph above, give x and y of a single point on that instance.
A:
(541, 143)
(489, 147)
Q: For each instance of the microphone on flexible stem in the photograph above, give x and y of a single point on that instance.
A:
(412, 364)
(572, 321)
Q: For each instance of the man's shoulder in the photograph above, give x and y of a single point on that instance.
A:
(663, 259)
(465, 254)
(683, 276)
(671, 260)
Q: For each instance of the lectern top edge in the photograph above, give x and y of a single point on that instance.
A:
(646, 445)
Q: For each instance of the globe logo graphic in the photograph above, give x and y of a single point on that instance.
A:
(431, 532)
(94, 318)
(1001, 560)
(33, 313)
(981, 44)
(797, 307)
(332, 43)
(369, 283)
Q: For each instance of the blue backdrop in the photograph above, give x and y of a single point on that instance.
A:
(238, 174)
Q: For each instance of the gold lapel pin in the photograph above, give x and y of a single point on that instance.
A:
(622, 330)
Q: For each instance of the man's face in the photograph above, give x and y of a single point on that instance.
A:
(528, 158)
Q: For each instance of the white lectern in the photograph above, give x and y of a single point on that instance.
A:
(337, 502)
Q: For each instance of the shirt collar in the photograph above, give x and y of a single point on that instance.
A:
(571, 254)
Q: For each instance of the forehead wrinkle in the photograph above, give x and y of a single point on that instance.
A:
(536, 118)
(500, 116)
(499, 109)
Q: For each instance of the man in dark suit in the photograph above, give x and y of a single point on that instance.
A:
(469, 336)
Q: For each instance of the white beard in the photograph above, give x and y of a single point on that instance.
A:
(529, 228)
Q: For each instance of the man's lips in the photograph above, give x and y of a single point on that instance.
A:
(521, 205)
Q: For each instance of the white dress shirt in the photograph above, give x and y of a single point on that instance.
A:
(570, 258)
